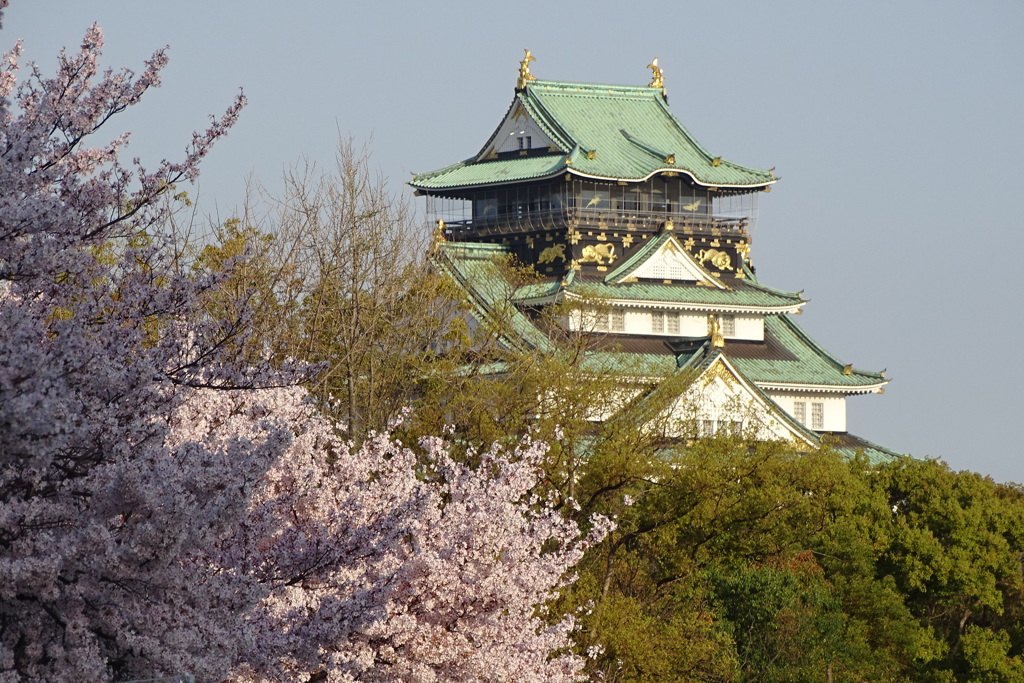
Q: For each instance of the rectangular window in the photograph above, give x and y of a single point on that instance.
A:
(618, 320)
(658, 322)
(707, 428)
(728, 325)
(817, 416)
(601, 321)
(658, 270)
(800, 411)
(673, 323)
(730, 427)
(594, 200)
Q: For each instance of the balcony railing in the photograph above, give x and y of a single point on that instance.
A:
(602, 219)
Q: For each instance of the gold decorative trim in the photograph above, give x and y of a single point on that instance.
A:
(657, 75)
(524, 71)
(715, 331)
(439, 228)
(597, 253)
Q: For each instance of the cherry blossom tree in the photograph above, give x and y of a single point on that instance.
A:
(163, 510)
(383, 568)
(99, 346)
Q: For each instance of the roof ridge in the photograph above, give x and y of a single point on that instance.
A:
(636, 90)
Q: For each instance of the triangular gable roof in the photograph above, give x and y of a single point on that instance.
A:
(517, 123)
(608, 132)
(713, 363)
(663, 254)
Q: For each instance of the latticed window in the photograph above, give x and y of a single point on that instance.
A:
(728, 323)
(672, 323)
(658, 270)
(618, 320)
(817, 416)
(658, 322)
(800, 411)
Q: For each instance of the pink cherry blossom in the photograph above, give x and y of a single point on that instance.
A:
(163, 509)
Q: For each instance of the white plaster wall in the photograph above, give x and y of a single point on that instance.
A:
(717, 400)
(507, 138)
(749, 327)
(669, 264)
(834, 407)
(691, 324)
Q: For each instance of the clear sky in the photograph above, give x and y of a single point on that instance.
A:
(897, 129)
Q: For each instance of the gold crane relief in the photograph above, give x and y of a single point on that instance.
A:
(594, 201)
(719, 259)
(692, 207)
(551, 253)
(597, 253)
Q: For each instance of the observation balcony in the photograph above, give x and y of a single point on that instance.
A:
(594, 219)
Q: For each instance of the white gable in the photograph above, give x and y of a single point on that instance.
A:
(518, 132)
(720, 400)
(671, 262)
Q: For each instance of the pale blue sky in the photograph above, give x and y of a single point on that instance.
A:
(896, 128)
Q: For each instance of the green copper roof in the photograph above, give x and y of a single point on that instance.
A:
(790, 356)
(478, 270)
(849, 445)
(742, 295)
(607, 132)
(809, 364)
(496, 172)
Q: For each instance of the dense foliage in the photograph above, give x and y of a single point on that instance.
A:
(171, 501)
(168, 504)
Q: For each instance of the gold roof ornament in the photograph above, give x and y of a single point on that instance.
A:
(657, 75)
(439, 229)
(715, 332)
(524, 70)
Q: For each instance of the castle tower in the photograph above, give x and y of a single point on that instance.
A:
(609, 198)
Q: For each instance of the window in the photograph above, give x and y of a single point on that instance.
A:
(730, 427)
(594, 200)
(672, 323)
(631, 199)
(817, 416)
(658, 322)
(601, 321)
(800, 411)
(728, 325)
(525, 142)
(658, 270)
(618, 320)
